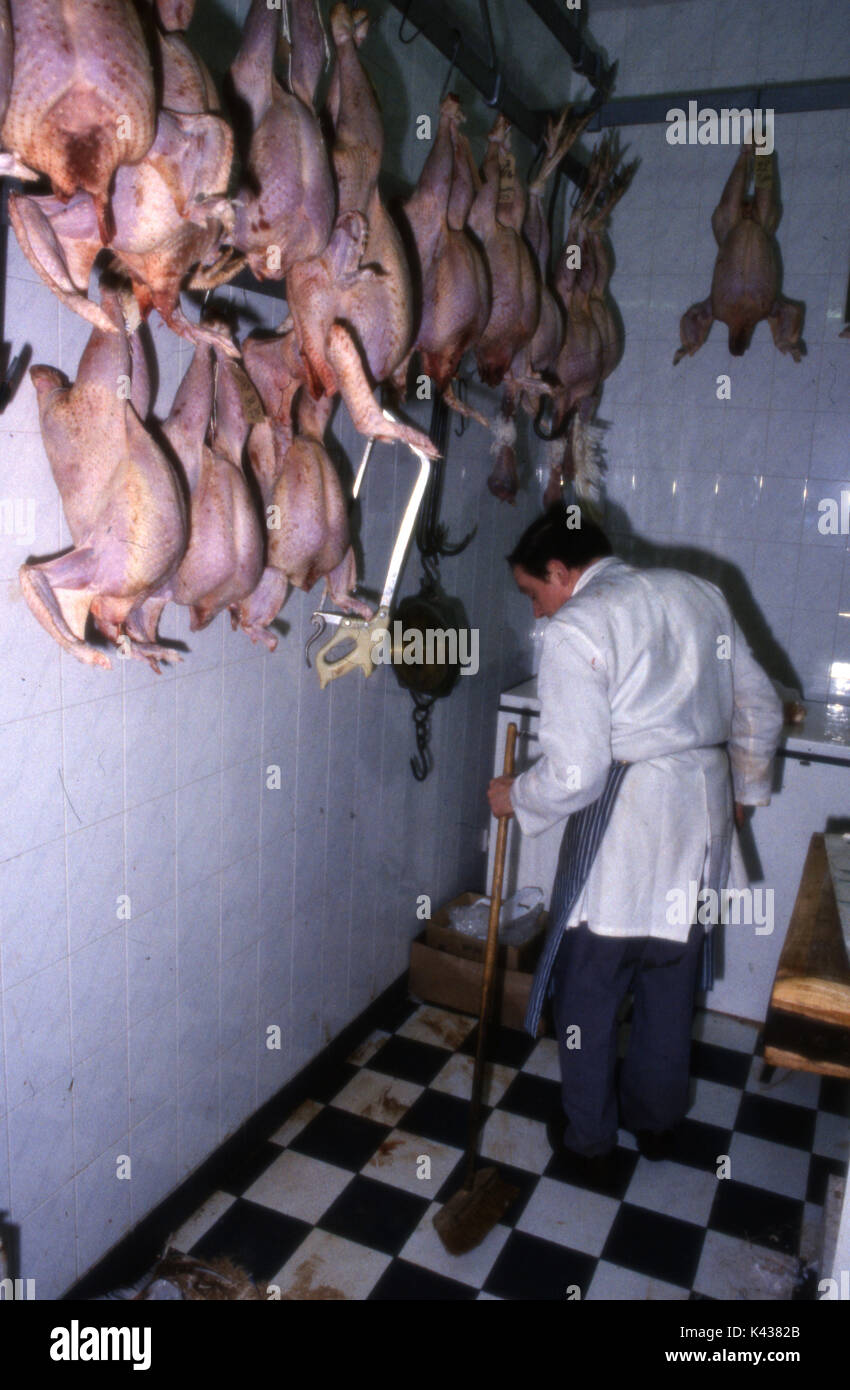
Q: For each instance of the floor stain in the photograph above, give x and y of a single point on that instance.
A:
(303, 1286)
(385, 1108)
(451, 1032)
(386, 1150)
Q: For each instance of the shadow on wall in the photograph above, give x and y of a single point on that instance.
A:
(706, 565)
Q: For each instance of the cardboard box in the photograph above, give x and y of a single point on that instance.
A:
(443, 937)
(441, 974)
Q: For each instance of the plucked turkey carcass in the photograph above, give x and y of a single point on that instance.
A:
(82, 100)
(286, 207)
(170, 209)
(456, 300)
(351, 306)
(121, 497)
(747, 275)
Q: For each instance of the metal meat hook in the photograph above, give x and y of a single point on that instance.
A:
(403, 21)
(458, 41)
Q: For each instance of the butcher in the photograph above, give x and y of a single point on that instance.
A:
(649, 699)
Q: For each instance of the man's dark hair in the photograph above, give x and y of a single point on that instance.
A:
(551, 538)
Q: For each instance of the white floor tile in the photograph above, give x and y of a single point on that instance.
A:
(724, 1031)
(773, 1167)
(612, 1282)
(397, 1161)
(544, 1060)
(796, 1087)
(375, 1096)
(202, 1221)
(439, 1027)
(327, 1267)
(832, 1136)
(569, 1216)
(673, 1189)
(298, 1120)
(715, 1104)
(456, 1079)
(732, 1269)
(514, 1140)
(425, 1248)
(368, 1048)
(298, 1186)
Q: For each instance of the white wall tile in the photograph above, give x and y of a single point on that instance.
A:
(38, 1033)
(95, 880)
(48, 1244)
(39, 1169)
(101, 1101)
(33, 880)
(103, 1203)
(99, 993)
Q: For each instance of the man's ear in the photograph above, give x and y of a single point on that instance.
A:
(557, 573)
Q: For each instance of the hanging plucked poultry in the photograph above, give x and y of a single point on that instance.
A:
(121, 497)
(82, 100)
(287, 204)
(169, 209)
(351, 306)
(747, 274)
(455, 287)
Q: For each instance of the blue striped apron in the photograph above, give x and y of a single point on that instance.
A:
(583, 835)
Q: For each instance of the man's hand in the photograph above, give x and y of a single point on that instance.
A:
(499, 796)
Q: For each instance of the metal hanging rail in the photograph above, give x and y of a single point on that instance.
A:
(434, 20)
(784, 98)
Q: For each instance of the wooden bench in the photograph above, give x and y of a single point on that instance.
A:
(808, 1020)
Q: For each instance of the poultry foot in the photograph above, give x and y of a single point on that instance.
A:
(59, 596)
(366, 414)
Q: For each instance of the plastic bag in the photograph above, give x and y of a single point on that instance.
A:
(518, 918)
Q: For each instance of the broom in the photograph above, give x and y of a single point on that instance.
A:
(479, 1204)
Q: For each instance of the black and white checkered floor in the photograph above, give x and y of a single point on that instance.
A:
(335, 1205)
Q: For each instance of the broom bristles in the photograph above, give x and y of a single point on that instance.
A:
(469, 1215)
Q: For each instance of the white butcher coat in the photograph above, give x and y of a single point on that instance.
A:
(649, 667)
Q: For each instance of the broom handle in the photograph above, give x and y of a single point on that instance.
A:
(489, 968)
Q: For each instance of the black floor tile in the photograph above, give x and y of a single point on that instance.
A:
(532, 1096)
(835, 1096)
(239, 1174)
(393, 1015)
(563, 1169)
(533, 1269)
(751, 1213)
(651, 1243)
(777, 1120)
(698, 1145)
(820, 1169)
(256, 1238)
(712, 1063)
(347, 1141)
(409, 1060)
(510, 1047)
(328, 1081)
(375, 1214)
(403, 1280)
(440, 1117)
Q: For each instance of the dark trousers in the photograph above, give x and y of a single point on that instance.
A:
(591, 977)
